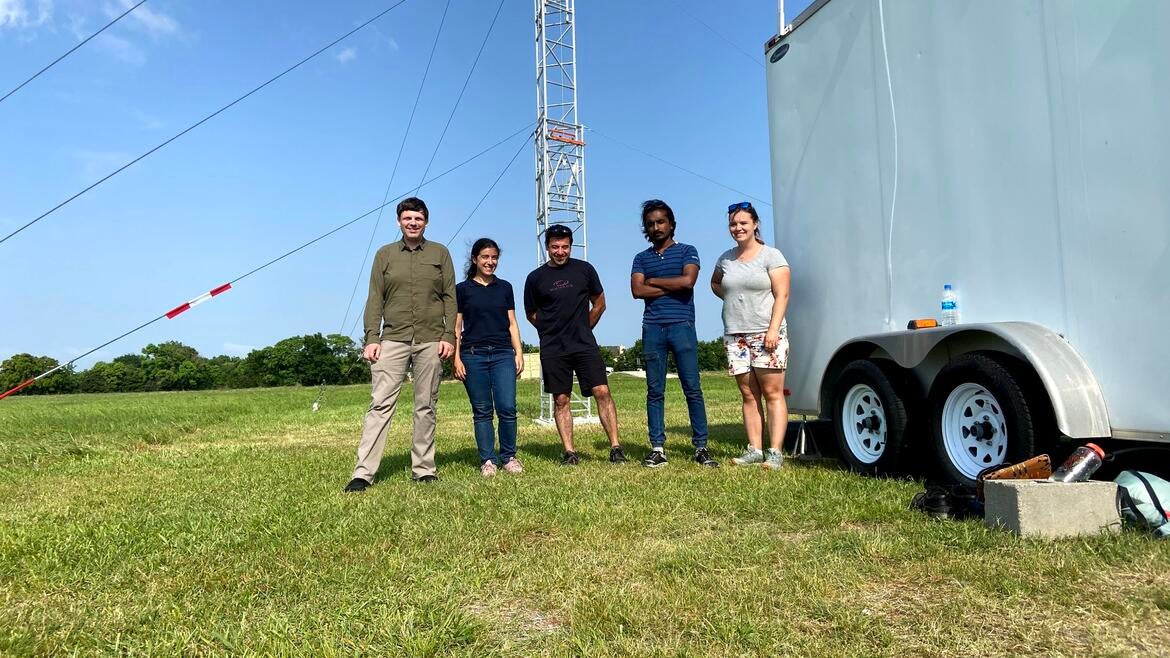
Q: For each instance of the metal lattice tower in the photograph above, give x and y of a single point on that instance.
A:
(560, 149)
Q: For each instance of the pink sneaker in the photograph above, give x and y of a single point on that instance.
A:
(513, 466)
(488, 469)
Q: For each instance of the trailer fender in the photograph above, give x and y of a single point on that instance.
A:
(1077, 403)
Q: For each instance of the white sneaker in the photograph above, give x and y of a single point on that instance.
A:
(488, 469)
(774, 460)
(750, 457)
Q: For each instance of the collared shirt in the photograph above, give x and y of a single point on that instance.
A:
(485, 312)
(412, 294)
(677, 306)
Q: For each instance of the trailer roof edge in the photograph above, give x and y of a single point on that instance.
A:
(797, 22)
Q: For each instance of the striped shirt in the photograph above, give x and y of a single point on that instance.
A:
(673, 306)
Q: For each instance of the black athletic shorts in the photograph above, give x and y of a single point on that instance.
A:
(557, 372)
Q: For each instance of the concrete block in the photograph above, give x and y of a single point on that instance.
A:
(1040, 508)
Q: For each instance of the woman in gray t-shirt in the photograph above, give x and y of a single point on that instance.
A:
(752, 280)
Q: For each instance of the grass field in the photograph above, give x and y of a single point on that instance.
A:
(214, 523)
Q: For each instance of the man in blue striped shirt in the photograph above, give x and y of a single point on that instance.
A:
(664, 276)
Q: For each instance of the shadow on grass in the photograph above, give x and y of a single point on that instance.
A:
(723, 438)
(732, 436)
(549, 448)
(397, 464)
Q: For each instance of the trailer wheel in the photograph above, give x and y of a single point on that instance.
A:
(980, 418)
(869, 417)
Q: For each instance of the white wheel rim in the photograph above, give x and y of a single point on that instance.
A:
(863, 419)
(974, 429)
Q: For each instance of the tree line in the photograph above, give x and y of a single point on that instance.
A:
(172, 366)
(309, 360)
(712, 357)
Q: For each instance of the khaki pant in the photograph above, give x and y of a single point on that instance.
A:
(387, 374)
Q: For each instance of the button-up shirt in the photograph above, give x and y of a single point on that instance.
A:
(412, 294)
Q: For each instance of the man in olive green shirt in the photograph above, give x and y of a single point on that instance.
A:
(410, 322)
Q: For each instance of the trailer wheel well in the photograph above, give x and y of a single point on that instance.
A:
(922, 368)
(1008, 356)
(1044, 427)
(847, 353)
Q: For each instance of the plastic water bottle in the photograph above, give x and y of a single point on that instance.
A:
(1084, 461)
(950, 306)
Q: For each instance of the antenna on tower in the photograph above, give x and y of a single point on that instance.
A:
(560, 152)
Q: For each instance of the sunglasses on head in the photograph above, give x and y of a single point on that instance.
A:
(742, 205)
(559, 231)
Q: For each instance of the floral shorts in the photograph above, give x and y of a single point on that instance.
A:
(746, 351)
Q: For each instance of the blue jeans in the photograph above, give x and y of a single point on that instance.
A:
(491, 383)
(678, 339)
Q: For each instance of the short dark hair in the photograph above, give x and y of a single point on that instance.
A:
(657, 204)
(480, 245)
(557, 231)
(413, 203)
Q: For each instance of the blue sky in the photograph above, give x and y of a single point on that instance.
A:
(316, 149)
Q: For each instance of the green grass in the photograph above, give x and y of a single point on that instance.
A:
(214, 524)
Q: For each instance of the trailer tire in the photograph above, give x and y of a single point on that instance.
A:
(980, 417)
(869, 417)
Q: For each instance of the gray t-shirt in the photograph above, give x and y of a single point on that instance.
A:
(747, 290)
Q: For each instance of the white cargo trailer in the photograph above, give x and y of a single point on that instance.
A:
(1017, 149)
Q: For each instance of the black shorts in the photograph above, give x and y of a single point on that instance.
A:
(557, 372)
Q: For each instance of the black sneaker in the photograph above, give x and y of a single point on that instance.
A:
(964, 504)
(656, 459)
(616, 456)
(935, 502)
(356, 485)
(703, 458)
(570, 459)
(426, 479)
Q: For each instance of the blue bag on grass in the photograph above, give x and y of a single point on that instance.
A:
(1144, 499)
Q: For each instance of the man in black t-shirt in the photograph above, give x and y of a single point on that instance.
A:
(564, 300)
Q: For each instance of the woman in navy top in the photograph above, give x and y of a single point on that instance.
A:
(488, 358)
